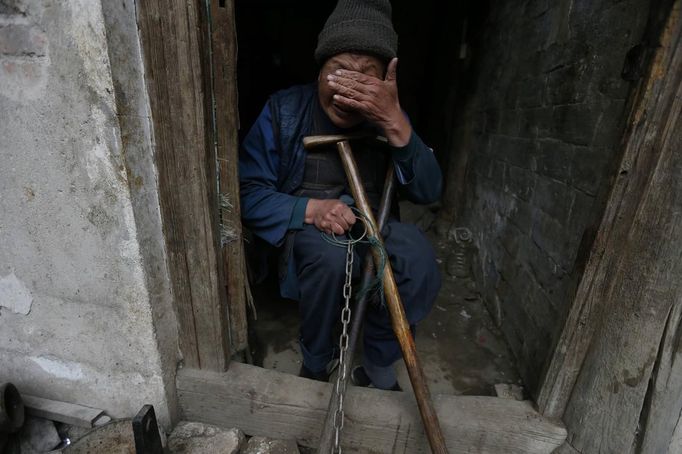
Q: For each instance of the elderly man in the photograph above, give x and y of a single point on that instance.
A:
(290, 198)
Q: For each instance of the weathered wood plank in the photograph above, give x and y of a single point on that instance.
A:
(266, 402)
(615, 391)
(76, 415)
(224, 45)
(153, 23)
(594, 291)
(171, 40)
(566, 449)
(676, 442)
(664, 405)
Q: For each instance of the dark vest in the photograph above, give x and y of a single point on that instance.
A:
(296, 113)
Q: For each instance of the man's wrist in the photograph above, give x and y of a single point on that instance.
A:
(398, 131)
(298, 214)
(310, 208)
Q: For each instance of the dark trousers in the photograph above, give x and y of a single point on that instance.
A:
(320, 269)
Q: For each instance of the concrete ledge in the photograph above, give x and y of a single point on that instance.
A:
(269, 403)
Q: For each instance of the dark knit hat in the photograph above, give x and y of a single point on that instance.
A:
(358, 26)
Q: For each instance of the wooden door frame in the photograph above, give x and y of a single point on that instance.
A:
(189, 51)
(652, 107)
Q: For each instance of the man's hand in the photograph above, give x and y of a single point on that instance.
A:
(375, 99)
(329, 215)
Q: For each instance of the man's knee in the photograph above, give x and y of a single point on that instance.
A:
(416, 269)
(313, 252)
(411, 250)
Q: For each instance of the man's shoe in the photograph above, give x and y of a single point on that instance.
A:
(359, 377)
(319, 376)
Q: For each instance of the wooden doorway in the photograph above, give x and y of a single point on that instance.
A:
(189, 48)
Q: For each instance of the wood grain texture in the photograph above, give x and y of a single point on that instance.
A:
(627, 380)
(676, 443)
(566, 449)
(269, 403)
(641, 144)
(76, 415)
(664, 405)
(224, 61)
(174, 54)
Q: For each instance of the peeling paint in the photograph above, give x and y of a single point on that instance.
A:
(14, 295)
(60, 369)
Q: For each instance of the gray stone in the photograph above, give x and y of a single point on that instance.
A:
(38, 435)
(198, 438)
(116, 437)
(264, 445)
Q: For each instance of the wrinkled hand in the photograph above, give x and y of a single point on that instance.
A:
(375, 99)
(329, 215)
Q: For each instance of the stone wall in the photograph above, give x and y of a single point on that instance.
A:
(85, 306)
(547, 119)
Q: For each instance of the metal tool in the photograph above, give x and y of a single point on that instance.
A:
(401, 327)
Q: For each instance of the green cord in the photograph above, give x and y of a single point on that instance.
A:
(376, 285)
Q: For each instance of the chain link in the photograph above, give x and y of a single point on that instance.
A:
(343, 347)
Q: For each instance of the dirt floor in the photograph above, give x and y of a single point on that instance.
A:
(461, 349)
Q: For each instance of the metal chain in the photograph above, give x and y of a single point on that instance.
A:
(343, 347)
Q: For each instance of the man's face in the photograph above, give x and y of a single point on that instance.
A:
(372, 66)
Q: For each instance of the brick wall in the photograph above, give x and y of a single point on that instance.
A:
(548, 115)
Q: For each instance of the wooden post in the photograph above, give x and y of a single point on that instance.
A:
(614, 378)
(226, 127)
(175, 54)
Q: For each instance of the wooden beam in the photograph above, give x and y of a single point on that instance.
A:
(174, 53)
(622, 379)
(76, 415)
(266, 402)
(224, 60)
(651, 103)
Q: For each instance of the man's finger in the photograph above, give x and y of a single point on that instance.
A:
(350, 103)
(392, 71)
(338, 229)
(351, 84)
(348, 216)
(345, 91)
(341, 222)
(355, 75)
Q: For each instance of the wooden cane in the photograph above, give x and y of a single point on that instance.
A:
(401, 328)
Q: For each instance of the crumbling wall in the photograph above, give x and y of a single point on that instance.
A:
(548, 115)
(85, 311)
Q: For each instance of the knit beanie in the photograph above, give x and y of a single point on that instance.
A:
(362, 26)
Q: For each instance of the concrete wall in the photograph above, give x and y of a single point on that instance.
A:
(85, 306)
(548, 118)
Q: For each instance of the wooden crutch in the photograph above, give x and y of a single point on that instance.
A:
(401, 327)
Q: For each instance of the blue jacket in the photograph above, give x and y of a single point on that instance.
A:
(272, 158)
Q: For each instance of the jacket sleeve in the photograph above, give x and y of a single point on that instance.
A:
(268, 213)
(418, 171)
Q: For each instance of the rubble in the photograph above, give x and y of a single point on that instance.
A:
(38, 435)
(264, 445)
(198, 438)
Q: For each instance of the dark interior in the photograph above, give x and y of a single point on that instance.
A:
(277, 41)
(525, 106)
(436, 53)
